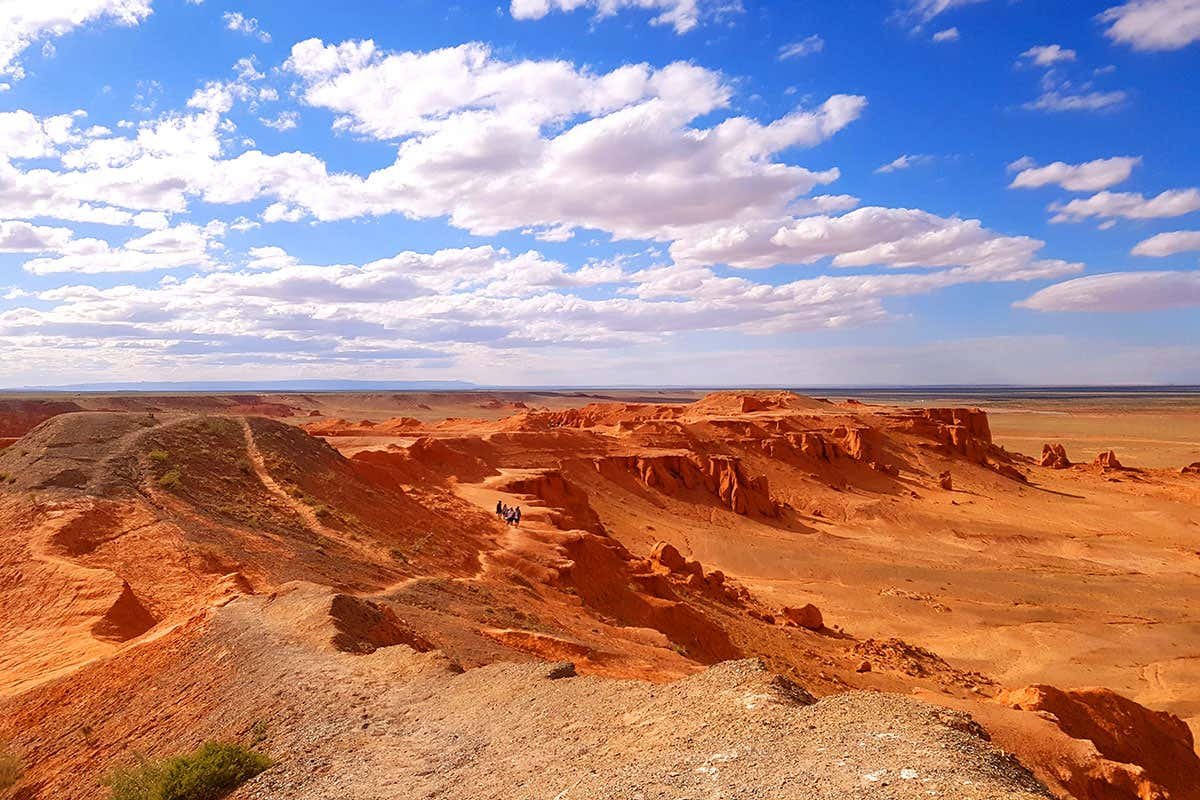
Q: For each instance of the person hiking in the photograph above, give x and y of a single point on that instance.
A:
(499, 508)
(517, 516)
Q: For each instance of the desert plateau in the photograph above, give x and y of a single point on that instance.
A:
(726, 594)
(599, 400)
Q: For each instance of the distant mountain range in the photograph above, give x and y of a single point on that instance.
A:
(300, 385)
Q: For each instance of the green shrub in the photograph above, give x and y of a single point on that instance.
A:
(209, 773)
(171, 480)
(11, 770)
(159, 456)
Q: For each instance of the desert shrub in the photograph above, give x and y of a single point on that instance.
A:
(159, 456)
(209, 773)
(11, 770)
(171, 480)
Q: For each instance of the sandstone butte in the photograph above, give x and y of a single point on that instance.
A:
(755, 594)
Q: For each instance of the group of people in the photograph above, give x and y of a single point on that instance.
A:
(510, 514)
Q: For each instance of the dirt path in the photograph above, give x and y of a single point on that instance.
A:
(301, 510)
(513, 539)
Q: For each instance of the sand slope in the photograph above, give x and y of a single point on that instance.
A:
(164, 545)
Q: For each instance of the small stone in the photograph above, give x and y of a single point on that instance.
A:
(564, 669)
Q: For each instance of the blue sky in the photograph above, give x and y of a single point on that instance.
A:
(600, 191)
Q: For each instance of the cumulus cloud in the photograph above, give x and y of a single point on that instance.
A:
(23, 135)
(17, 236)
(805, 47)
(466, 303)
(1046, 55)
(947, 35)
(1154, 24)
(186, 245)
(1120, 291)
(1089, 176)
(682, 15)
(498, 145)
(1168, 244)
(1128, 205)
(23, 22)
(893, 237)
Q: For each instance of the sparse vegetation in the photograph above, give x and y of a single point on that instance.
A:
(159, 456)
(11, 770)
(219, 425)
(171, 480)
(209, 773)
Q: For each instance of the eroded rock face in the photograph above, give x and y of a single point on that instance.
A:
(973, 421)
(1054, 456)
(1108, 461)
(1191, 469)
(721, 476)
(1145, 754)
(363, 626)
(18, 417)
(572, 511)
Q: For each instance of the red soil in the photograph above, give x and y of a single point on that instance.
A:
(131, 546)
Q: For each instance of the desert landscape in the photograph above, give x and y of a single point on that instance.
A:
(752, 593)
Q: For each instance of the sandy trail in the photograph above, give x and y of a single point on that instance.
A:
(302, 510)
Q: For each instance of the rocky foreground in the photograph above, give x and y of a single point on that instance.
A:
(344, 593)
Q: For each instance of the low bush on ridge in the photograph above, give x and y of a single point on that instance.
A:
(208, 773)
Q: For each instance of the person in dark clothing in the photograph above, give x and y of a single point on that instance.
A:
(499, 508)
(517, 516)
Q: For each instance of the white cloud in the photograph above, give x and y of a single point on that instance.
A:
(1129, 205)
(904, 162)
(23, 22)
(1046, 55)
(22, 135)
(237, 21)
(270, 258)
(893, 237)
(500, 145)
(17, 236)
(1058, 100)
(1120, 291)
(1089, 176)
(283, 121)
(805, 47)
(947, 35)
(186, 245)
(1154, 24)
(920, 12)
(479, 304)
(682, 15)
(1168, 244)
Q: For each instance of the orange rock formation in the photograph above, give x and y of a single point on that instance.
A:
(213, 556)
